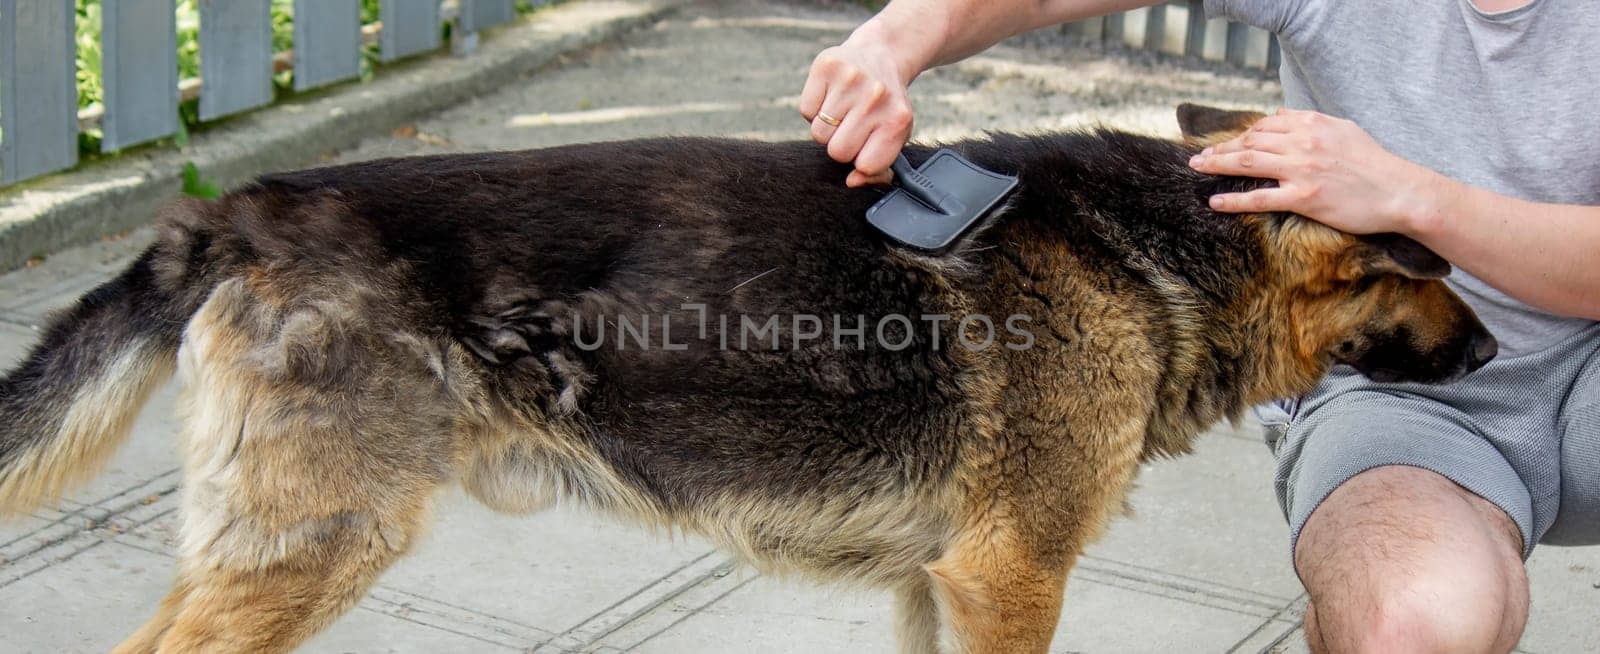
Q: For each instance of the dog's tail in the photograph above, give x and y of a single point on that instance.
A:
(68, 406)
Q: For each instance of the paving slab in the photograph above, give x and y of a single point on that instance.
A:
(735, 69)
(525, 579)
(788, 616)
(1565, 612)
(57, 281)
(14, 341)
(85, 603)
(20, 536)
(554, 570)
(778, 617)
(1213, 502)
(51, 611)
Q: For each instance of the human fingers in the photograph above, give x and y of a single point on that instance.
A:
(892, 129)
(858, 179)
(1258, 201)
(1273, 142)
(1247, 163)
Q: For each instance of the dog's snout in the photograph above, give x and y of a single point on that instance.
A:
(1481, 350)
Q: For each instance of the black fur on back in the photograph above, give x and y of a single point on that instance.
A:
(511, 252)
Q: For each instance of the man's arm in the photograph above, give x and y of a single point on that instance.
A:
(1332, 171)
(1547, 255)
(962, 28)
(862, 82)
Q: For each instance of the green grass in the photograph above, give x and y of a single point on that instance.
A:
(91, 88)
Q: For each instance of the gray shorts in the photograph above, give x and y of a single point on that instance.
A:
(1523, 433)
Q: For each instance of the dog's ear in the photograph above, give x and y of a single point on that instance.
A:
(1203, 126)
(1395, 254)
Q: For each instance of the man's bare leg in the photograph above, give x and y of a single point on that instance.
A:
(1401, 559)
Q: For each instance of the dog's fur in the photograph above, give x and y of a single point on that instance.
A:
(353, 338)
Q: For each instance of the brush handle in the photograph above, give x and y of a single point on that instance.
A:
(920, 187)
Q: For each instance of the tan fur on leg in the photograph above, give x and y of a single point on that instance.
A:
(295, 498)
(145, 640)
(998, 596)
(917, 616)
(272, 609)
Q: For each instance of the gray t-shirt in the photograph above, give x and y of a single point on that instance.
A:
(1507, 101)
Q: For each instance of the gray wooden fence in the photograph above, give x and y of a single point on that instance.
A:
(1180, 28)
(40, 119)
(39, 115)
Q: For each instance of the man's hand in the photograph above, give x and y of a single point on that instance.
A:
(1327, 169)
(860, 85)
(1330, 170)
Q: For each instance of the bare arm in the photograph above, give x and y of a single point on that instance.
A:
(1331, 170)
(861, 84)
(1547, 255)
(933, 33)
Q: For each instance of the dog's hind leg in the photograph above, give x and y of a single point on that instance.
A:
(311, 454)
(235, 607)
(274, 555)
(916, 616)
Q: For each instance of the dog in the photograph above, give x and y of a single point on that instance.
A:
(353, 338)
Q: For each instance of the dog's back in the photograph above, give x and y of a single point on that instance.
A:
(699, 348)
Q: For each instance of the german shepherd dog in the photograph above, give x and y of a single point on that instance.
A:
(354, 338)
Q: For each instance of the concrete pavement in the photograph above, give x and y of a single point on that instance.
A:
(1202, 565)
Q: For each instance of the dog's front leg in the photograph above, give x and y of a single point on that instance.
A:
(1001, 579)
(145, 640)
(1000, 595)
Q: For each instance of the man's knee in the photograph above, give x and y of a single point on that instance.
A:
(1403, 559)
(1408, 626)
(1415, 620)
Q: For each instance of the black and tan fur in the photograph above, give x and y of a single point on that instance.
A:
(354, 338)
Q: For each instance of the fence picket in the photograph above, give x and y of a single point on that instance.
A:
(1194, 43)
(479, 14)
(235, 56)
(38, 88)
(327, 42)
(1238, 51)
(410, 27)
(1155, 28)
(1088, 28)
(1114, 28)
(140, 67)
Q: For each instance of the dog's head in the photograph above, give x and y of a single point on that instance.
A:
(1376, 303)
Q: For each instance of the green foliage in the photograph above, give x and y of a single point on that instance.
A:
(88, 37)
(188, 38)
(196, 186)
(283, 40)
